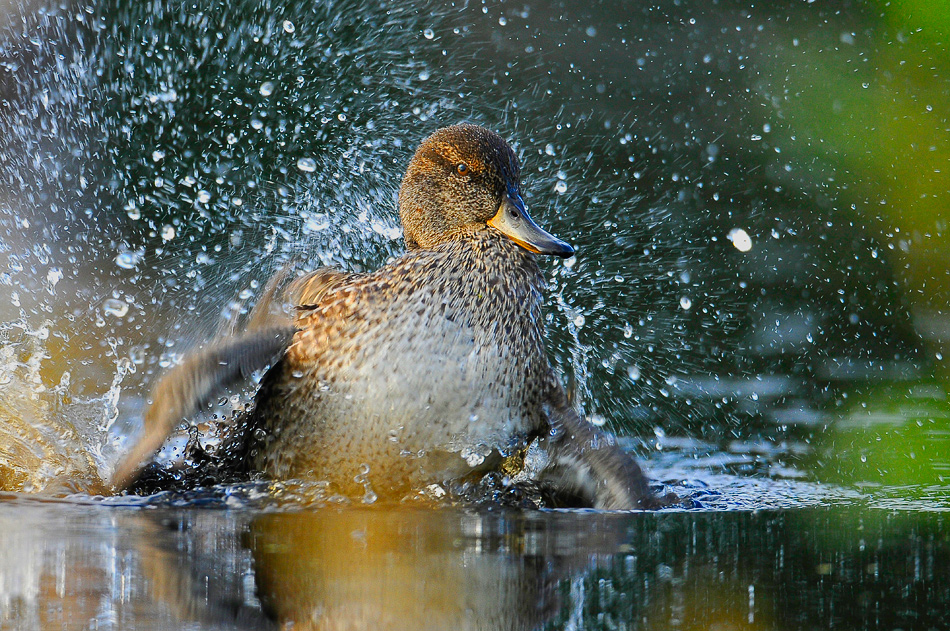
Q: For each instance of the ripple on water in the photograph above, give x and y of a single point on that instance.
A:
(715, 479)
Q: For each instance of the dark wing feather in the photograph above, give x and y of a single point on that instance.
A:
(188, 387)
(203, 375)
(585, 463)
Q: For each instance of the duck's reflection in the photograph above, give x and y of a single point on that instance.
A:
(364, 568)
(85, 566)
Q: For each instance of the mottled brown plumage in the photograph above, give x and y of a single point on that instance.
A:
(411, 372)
(433, 368)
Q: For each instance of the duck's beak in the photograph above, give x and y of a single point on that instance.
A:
(513, 221)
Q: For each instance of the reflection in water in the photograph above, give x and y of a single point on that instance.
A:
(381, 567)
(399, 569)
(93, 566)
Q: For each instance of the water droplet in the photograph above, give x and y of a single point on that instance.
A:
(257, 124)
(204, 196)
(685, 303)
(627, 331)
(561, 187)
(579, 320)
(597, 419)
(168, 233)
(133, 211)
(741, 239)
(317, 223)
(158, 156)
(137, 355)
(115, 308)
(549, 149)
(232, 139)
(633, 372)
(53, 277)
(502, 21)
(472, 456)
(289, 27)
(129, 259)
(267, 88)
(307, 165)
(428, 33)
(424, 75)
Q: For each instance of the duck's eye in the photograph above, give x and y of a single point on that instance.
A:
(461, 168)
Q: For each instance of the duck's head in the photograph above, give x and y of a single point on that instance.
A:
(465, 177)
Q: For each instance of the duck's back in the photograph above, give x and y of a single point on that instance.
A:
(430, 368)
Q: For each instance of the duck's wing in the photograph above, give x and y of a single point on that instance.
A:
(280, 298)
(231, 359)
(190, 385)
(587, 464)
(307, 291)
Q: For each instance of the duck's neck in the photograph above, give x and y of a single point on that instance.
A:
(495, 259)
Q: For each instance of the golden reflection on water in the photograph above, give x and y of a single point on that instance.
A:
(77, 567)
(403, 568)
(422, 569)
(92, 566)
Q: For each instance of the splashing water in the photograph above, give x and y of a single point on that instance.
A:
(140, 168)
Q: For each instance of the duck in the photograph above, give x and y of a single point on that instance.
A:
(430, 371)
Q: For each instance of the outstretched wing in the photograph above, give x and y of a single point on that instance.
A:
(190, 385)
